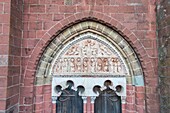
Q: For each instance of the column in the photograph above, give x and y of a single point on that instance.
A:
(84, 104)
(92, 103)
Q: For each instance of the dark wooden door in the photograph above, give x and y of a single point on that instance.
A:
(69, 102)
(108, 102)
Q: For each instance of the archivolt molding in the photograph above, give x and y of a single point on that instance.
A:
(46, 63)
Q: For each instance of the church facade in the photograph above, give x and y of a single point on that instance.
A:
(84, 56)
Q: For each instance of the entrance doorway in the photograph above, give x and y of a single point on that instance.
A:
(70, 102)
(108, 102)
(89, 58)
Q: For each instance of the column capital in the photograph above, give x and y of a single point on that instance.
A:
(92, 99)
(84, 99)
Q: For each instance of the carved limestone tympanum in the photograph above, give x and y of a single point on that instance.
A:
(89, 56)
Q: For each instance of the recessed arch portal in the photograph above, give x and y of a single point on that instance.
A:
(97, 32)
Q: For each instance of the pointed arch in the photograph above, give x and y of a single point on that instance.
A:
(44, 74)
(83, 16)
(35, 58)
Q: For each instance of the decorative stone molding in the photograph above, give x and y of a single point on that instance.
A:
(48, 60)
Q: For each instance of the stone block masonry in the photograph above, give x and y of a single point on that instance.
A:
(10, 54)
(28, 26)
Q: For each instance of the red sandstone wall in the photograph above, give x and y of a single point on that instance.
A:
(4, 47)
(14, 64)
(10, 54)
(39, 16)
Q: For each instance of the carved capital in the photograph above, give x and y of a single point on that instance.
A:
(54, 99)
(93, 99)
(84, 99)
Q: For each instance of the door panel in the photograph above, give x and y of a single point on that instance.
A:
(69, 102)
(107, 102)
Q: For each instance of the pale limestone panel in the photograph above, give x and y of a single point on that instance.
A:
(89, 56)
(88, 84)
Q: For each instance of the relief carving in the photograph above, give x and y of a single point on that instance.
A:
(99, 64)
(65, 65)
(88, 56)
(78, 63)
(85, 64)
(105, 65)
(72, 65)
(74, 50)
(93, 65)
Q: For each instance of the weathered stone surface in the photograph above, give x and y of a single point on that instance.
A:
(89, 56)
(27, 29)
(3, 60)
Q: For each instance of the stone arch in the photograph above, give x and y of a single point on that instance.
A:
(79, 17)
(129, 36)
(43, 74)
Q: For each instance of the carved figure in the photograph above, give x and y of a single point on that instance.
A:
(85, 50)
(78, 64)
(104, 50)
(94, 51)
(93, 65)
(105, 65)
(73, 51)
(93, 48)
(72, 65)
(85, 65)
(118, 66)
(65, 65)
(99, 65)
